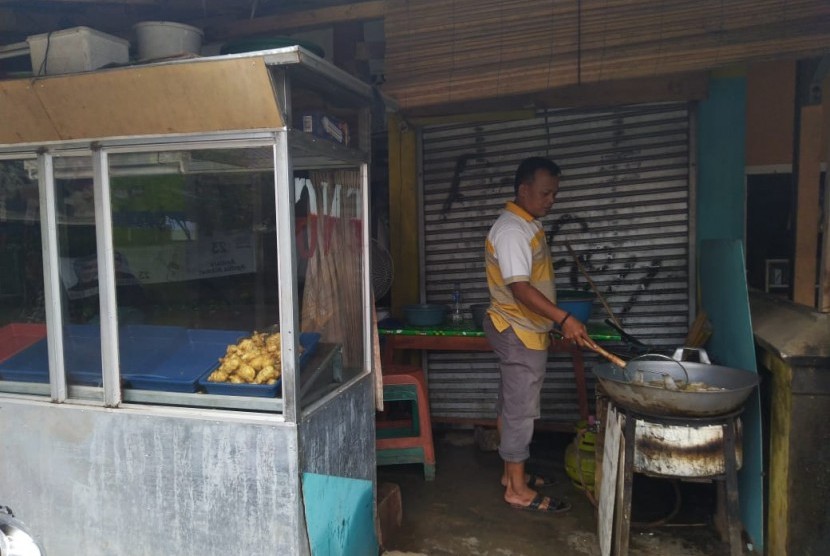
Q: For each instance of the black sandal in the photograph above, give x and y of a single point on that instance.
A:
(554, 506)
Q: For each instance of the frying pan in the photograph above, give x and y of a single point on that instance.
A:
(650, 396)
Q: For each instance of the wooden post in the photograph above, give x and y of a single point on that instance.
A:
(733, 510)
(807, 207)
(403, 213)
(824, 262)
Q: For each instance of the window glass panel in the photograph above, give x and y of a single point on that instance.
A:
(196, 257)
(195, 247)
(78, 264)
(329, 271)
(22, 313)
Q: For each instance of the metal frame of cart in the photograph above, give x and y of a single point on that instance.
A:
(103, 470)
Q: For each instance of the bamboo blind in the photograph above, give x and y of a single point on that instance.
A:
(441, 51)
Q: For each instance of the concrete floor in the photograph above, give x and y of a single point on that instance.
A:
(462, 512)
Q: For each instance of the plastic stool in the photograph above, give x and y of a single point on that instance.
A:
(413, 444)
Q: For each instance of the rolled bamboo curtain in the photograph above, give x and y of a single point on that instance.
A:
(332, 293)
(442, 51)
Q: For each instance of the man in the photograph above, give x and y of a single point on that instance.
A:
(522, 312)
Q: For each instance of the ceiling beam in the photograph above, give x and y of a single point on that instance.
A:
(682, 87)
(16, 26)
(320, 17)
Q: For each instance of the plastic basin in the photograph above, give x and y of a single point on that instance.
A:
(425, 314)
(165, 39)
(580, 304)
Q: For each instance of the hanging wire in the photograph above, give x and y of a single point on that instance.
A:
(42, 69)
(671, 515)
(547, 132)
(579, 42)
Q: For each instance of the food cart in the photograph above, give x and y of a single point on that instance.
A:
(154, 218)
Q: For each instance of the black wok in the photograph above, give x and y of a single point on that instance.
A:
(641, 386)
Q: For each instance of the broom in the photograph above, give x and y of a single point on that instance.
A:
(700, 331)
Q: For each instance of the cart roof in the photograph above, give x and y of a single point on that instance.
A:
(194, 96)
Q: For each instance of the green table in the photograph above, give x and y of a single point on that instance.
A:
(598, 331)
(466, 337)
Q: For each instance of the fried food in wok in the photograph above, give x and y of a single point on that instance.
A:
(691, 387)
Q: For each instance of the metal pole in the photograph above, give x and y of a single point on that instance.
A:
(51, 277)
(286, 276)
(110, 364)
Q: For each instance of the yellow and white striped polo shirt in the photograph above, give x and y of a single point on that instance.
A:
(516, 251)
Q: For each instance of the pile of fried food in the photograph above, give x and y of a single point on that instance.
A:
(254, 360)
(701, 387)
(669, 384)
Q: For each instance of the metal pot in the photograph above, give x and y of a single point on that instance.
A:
(652, 396)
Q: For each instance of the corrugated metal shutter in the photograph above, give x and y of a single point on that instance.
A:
(623, 205)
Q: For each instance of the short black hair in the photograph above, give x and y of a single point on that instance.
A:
(528, 167)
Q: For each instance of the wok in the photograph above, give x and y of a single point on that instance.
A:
(627, 388)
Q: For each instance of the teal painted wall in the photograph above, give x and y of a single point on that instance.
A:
(721, 213)
(721, 184)
(725, 299)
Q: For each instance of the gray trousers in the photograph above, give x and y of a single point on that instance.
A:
(522, 374)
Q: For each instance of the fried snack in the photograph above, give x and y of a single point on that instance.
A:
(272, 343)
(253, 360)
(265, 375)
(246, 373)
(260, 362)
(229, 364)
(702, 387)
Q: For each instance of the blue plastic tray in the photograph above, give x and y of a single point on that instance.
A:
(180, 369)
(83, 356)
(168, 358)
(142, 346)
(308, 340)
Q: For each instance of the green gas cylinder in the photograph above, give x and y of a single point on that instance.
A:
(580, 463)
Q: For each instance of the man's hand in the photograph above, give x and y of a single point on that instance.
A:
(575, 331)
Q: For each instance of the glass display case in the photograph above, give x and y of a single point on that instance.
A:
(184, 251)
(193, 242)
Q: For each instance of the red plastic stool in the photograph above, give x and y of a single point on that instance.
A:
(414, 445)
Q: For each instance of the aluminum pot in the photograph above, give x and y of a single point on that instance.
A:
(652, 396)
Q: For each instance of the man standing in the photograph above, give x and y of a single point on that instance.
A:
(522, 312)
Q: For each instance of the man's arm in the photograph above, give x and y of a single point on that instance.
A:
(534, 300)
